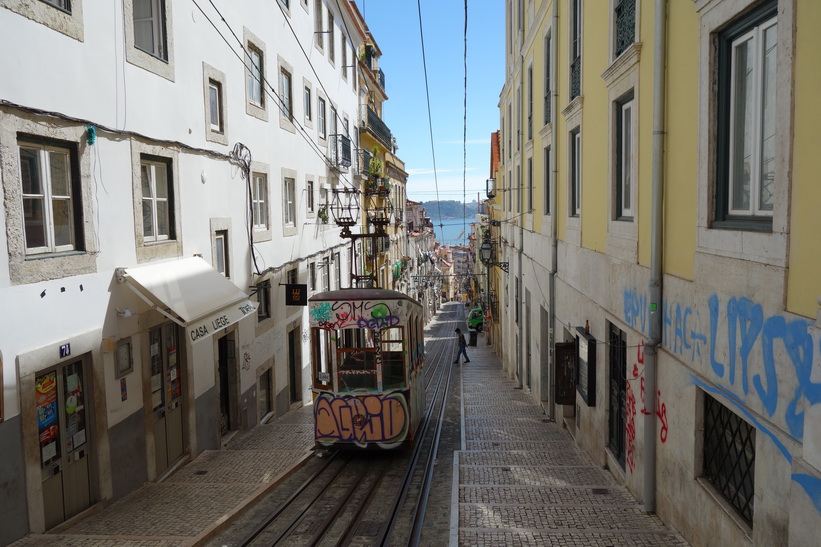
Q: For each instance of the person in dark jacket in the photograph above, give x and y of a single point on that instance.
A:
(462, 345)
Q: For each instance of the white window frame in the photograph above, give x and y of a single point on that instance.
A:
(322, 123)
(152, 201)
(574, 174)
(626, 175)
(307, 100)
(319, 36)
(259, 201)
(44, 155)
(286, 93)
(255, 74)
(212, 77)
(215, 105)
(158, 46)
(310, 200)
(331, 38)
(754, 37)
(221, 260)
(289, 202)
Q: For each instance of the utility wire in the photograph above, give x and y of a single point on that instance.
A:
(430, 119)
(465, 130)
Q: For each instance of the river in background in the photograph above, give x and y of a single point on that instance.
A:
(454, 231)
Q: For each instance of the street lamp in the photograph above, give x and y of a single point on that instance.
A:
(486, 256)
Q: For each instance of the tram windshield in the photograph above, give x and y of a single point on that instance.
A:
(361, 355)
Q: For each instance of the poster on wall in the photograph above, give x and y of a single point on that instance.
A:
(48, 426)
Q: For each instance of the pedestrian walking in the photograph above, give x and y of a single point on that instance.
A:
(462, 345)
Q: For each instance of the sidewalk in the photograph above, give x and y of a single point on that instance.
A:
(522, 480)
(197, 499)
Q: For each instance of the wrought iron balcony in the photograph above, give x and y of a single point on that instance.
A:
(576, 77)
(380, 77)
(363, 157)
(625, 25)
(377, 126)
(340, 148)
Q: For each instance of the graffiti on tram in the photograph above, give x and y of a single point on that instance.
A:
(368, 314)
(361, 420)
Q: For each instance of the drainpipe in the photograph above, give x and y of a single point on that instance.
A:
(554, 218)
(520, 144)
(656, 257)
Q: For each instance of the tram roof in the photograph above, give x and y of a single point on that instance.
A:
(358, 293)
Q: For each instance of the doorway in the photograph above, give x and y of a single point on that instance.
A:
(63, 423)
(166, 396)
(228, 384)
(294, 367)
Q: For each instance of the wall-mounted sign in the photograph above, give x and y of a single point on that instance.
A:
(296, 294)
(586, 366)
(65, 350)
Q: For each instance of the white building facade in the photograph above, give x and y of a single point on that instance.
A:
(166, 169)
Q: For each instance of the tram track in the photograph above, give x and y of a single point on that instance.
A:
(361, 498)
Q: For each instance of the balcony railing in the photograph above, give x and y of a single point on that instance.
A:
(625, 25)
(340, 150)
(380, 77)
(377, 126)
(576, 77)
(363, 158)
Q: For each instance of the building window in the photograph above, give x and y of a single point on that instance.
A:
(255, 75)
(312, 276)
(529, 185)
(264, 300)
(259, 201)
(48, 175)
(518, 188)
(547, 181)
(344, 44)
(746, 120)
(510, 192)
(64, 5)
(575, 48)
(331, 37)
(509, 131)
(215, 105)
(547, 82)
(309, 189)
(285, 3)
(617, 419)
(285, 93)
(326, 273)
(221, 252)
(320, 112)
(624, 158)
(624, 13)
(149, 27)
(519, 119)
(729, 456)
(292, 277)
(157, 194)
(319, 37)
(575, 172)
(338, 270)
(288, 202)
(530, 103)
(306, 102)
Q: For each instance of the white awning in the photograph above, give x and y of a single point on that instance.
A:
(191, 293)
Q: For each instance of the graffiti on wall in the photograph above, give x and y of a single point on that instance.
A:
(371, 315)
(382, 418)
(637, 376)
(753, 359)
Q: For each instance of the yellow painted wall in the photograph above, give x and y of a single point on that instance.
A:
(804, 281)
(595, 126)
(681, 146)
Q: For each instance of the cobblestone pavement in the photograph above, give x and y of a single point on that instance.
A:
(522, 480)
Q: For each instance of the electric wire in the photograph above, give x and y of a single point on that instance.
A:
(465, 129)
(430, 118)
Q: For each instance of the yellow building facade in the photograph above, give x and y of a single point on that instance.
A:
(656, 207)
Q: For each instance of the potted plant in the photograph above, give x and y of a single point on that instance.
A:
(375, 164)
(322, 213)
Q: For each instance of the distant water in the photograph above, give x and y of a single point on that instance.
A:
(451, 231)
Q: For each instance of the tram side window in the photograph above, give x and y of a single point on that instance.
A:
(321, 349)
(356, 360)
(393, 366)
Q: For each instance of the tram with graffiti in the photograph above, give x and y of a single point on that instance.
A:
(367, 354)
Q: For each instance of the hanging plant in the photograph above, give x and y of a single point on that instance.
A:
(322, 213)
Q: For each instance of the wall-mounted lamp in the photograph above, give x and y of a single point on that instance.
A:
(486, 256)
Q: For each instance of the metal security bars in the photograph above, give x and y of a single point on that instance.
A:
(729, 456)
(617, 344)
(340, 150)
(625, 25)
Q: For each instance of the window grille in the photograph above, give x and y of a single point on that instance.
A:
(729, 456)
(625, 25)
(617, 345)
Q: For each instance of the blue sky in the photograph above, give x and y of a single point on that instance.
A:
(395, 27)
